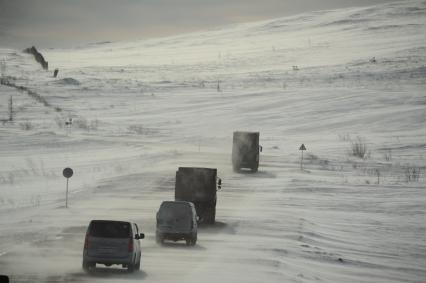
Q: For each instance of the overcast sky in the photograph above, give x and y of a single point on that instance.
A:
(66, 23)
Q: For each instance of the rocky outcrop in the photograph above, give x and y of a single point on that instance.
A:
(38, 57)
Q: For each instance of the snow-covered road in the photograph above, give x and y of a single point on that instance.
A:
(142, 109)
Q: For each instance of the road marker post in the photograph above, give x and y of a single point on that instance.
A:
(302, 148)
(67, 172)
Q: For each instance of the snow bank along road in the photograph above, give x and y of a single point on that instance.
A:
(141, 109)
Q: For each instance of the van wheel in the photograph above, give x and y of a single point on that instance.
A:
(191, 241)
(194, 240)
(131, 267)
(87, 265)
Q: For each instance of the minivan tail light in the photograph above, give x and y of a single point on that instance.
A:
(86, 242)
(130, 246)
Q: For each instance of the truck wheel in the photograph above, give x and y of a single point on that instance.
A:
(254, 170)
(210, 215)
(188, 241)
(159, 239)
(138, 265)
(213, 215)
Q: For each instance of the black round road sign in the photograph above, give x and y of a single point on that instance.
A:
(67, 172)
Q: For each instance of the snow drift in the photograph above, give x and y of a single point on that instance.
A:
(142, 109)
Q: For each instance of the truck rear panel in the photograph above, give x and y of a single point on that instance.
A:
(245, 150)
(195, 184)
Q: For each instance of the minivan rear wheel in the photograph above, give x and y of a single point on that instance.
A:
(191, 241)
(87, 265)
(131, 267)
(138, 264)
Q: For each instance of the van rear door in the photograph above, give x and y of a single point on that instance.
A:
(109, 239)
(175, 217)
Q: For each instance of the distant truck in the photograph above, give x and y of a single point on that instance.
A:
(199, 186)
(245, 151)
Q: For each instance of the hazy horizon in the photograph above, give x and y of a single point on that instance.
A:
(60, 23)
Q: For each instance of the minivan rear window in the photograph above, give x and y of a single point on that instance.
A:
(172, 210)
(110, 229)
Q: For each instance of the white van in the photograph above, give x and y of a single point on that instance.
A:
(111, 242)
(177, 220)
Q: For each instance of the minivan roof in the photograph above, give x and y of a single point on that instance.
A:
(196, 169)
(111, 221)
(176, 201)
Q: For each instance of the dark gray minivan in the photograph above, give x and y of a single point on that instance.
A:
(111, 242)
(177, 220)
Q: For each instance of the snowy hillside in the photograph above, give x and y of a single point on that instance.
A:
(141, 109)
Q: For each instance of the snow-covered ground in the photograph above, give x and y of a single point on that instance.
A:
(141, 109)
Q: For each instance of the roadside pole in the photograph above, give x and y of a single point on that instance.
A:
(67, 172)
(302, 148)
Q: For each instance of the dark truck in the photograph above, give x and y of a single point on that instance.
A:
(245, 151)
(199, 186)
